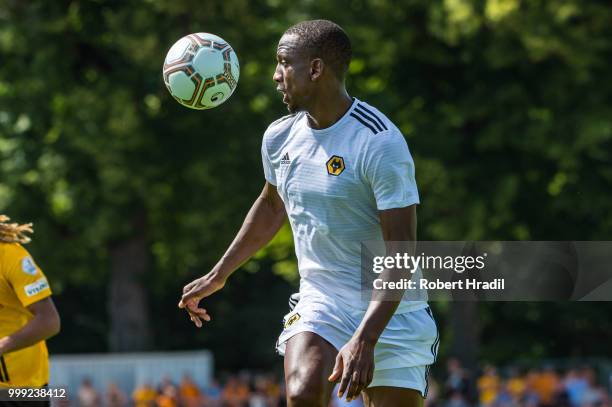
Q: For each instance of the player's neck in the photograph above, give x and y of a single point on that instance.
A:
(329, 109)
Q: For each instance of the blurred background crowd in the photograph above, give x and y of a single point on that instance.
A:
(544, 386)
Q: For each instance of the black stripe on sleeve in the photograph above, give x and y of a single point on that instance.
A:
(368, 117)
(373, 114)
(364, 123)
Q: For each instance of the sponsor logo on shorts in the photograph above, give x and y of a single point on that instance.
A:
(28, 266)
(292, 320)
(36, 287)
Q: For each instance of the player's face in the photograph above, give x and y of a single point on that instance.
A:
(292, 74)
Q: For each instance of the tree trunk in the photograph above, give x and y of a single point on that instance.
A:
(465, 328)
(130, 328)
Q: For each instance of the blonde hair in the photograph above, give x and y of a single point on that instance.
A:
(14, 232)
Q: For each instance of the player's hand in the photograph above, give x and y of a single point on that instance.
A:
(355, 365)
(195, 291)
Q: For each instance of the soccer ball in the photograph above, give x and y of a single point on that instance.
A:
(201, 71)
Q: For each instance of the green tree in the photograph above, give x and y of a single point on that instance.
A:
(505, 106)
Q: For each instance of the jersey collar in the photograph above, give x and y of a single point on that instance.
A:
(337, 124)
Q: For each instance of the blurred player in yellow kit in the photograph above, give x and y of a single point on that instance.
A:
(27, 313)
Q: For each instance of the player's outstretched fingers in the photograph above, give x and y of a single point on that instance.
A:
(198, 314)
(202, 315)
(337, 371)
(354, 387)
(346, 378)
(364, 381)
(201, 312)
(195, 320)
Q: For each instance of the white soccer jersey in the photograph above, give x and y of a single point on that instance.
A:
(333, 182)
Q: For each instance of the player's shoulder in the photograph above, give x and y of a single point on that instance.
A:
(374, 125)
(281, 126)
(370, 112)
(13, 253)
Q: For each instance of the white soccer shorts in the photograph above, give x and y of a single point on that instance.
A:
(403, 355)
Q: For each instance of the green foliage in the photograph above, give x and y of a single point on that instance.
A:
(505, 105)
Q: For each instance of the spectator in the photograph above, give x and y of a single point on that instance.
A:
(87, 395)
(235, 392)
(516, 386)
(167, 394)
(561, 396)
(545, 385)
(189, 393)
(115, 397)
(265, 388)
(212, 394)
(575, 385)
(144, 396)
(504, 397)
(457, 383)
(530, 397)
(488, 386)
(593, 395)
(257, 398)
(456, 399)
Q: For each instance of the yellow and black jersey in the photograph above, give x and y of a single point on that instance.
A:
(22, 283)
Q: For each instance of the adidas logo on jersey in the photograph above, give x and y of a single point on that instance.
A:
(285, 160)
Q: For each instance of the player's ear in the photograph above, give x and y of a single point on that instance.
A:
(316, 68)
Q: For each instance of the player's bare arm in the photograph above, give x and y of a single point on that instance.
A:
(355, 361)
(261, 224)
(44, 324)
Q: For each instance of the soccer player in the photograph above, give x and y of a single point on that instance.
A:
(342, 173)
(27, 314)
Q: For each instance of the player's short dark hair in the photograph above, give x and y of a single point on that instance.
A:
(326, 40)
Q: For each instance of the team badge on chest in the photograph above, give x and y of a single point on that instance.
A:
(335, 165)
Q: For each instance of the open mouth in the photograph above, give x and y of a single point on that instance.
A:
(285, 98)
